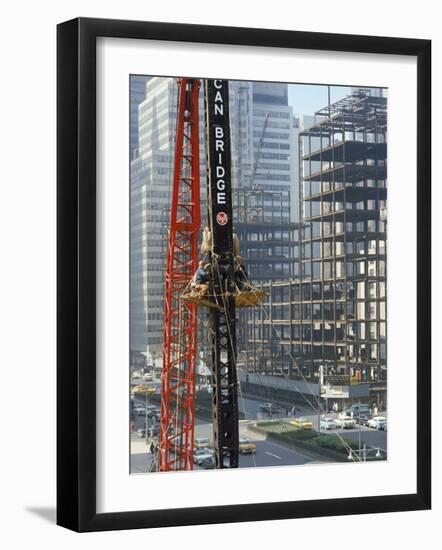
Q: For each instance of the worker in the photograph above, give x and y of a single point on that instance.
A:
(240, 273)
(200, 282)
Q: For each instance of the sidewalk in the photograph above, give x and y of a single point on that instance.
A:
(138, 445)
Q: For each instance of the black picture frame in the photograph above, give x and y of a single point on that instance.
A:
(76, 273)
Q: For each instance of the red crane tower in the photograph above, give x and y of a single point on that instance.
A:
(180, 317)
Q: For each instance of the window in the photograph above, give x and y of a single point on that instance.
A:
(361, 290)
(371, 247)
(316, 270)
(296, 311)
(317, 311)
(316, 291)
(328, 291)
(328, 311)
(360, 268)
(373, 331)
(382, 311)
(361, 310)
(316, 250)
(372, 310)
(372, 269)
(381, 289)
(382, 331)
(340, 270)
(306, 311)
(372, 290)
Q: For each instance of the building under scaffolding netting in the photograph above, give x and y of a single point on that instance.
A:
(332, 316)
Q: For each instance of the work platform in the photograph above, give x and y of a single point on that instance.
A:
(249, 298)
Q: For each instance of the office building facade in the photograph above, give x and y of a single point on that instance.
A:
(264, 159)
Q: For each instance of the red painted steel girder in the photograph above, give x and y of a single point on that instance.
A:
(180, 318)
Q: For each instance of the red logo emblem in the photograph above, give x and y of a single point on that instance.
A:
(222, 218)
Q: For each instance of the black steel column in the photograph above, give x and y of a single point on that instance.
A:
(222, 331)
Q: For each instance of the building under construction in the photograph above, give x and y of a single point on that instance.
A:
(333, 314)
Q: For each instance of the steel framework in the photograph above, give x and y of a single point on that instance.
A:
(222, 321)
(180, 318)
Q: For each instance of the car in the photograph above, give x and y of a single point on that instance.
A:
(302, 423)
(154, 412)
(201, 442)
(208, 463)
(148, 377)
(357, 409)
(136, 375)
(270, 408)
(377, 422)
(201, 454)
(139, 410)
(363, 419)
(327, 423)
(246, 447)
(345, 422)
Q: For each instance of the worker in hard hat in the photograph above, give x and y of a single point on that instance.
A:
(200, 280)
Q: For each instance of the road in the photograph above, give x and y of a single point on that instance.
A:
(268, 452)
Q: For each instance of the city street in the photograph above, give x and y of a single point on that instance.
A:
(268, 452)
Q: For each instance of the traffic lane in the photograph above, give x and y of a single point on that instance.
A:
(251, 407)
(269, 453)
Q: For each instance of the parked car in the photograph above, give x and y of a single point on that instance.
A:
(327, 423)
(377, 422)
(246, 446)
(302, 423)
(357, 409)
(148, 377)
(270, 408)
(345, 422)
(140, 410)
(154, 412)
(201, 454)
(201, 442)
(363, 419)
(208, 463)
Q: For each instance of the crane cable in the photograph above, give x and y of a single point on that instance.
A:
(320, 408)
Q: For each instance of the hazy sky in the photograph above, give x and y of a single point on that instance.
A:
(308, 98)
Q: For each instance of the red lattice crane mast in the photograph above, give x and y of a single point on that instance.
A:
(180, 318)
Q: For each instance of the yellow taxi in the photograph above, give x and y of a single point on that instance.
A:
(246, 446)
(301, 423)
(141, 389)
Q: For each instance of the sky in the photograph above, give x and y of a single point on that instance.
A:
(308, 98)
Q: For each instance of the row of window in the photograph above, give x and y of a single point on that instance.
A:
(328, 291)
(316, 229)
(314, 187)
(338, 269)
(328, 332)
(327, 249)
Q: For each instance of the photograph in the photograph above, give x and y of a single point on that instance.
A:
(258, 274)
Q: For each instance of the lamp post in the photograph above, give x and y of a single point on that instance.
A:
(320, 381)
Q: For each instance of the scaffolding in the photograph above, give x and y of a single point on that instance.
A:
(333, 312)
